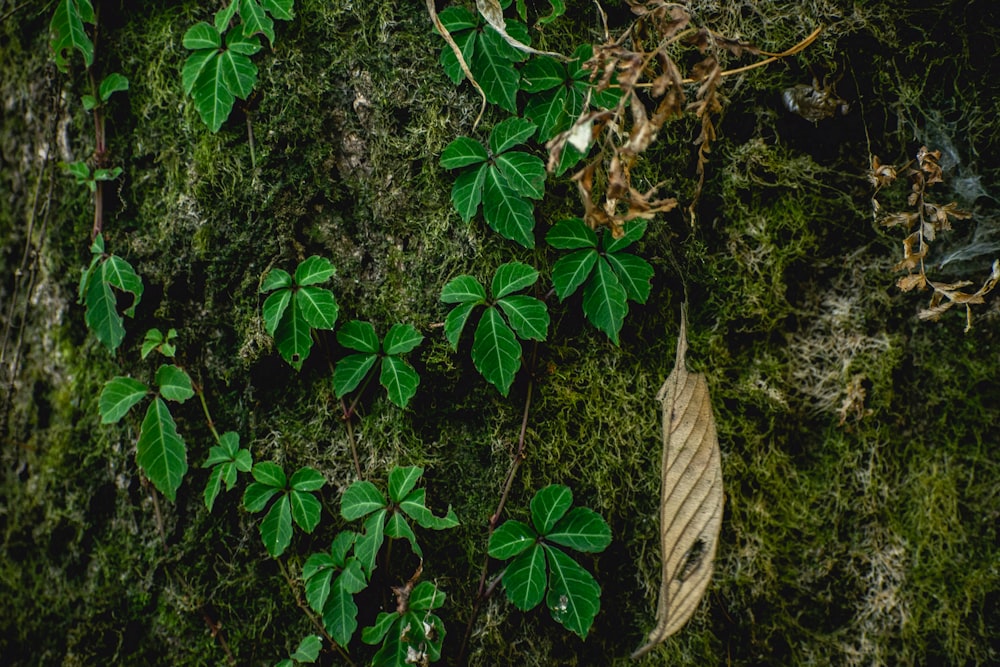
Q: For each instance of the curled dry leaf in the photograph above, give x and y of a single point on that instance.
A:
(691, 500)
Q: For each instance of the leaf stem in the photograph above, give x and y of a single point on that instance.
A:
(204, 406)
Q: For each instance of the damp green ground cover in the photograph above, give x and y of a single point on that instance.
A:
(859, 442)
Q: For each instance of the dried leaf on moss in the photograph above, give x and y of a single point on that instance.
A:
(691, 500)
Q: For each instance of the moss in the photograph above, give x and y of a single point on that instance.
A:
(860, 505)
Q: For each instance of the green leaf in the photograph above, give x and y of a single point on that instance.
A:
(462, 152)
(542, 73)
(415, 506)
(255, 20)
(359, 499)
(119, 274)
(160, 451)
(313, 271)
(582, 529)
(202, 36)
(402, 338)
(89, 102)
(397, 528)
(570, 271)
(318, 305)
(402, 479)
(512, 277)
(307, 479)
(224, 16)
(426, 596)
(525, 173)
(317, 573)
(350, 371)
(101, 316)
(467, 192)
(399, 380)
(308, 650)
(465, 39)
(463, 289)
(494, 72)
(282, 9)
(86, 276)
(152, 340)
(524, 578)
(243, 460)
(360, 336)
(633, 231)
(558, 9)
(174, 383)
(551, 111)
(227, 450)
(506, 212)
(511, 539)
(634, 274)
(604, 300)
(510, 133)
(340, 547)
(383, 622)
(527, 315)
(496, 353)
(276, 528)
(571, 234)
(306, 509)
(118, 397)
(274, 309)
(275, 279)
(112, 84)
(236, 71)
(257, 495)
(367, 545)
(549, 505)
(68, 33)
(574, 597)
(270, 474)
(213, 486)
(455, 322)
(340, 614)
(293, 336)
(204, 77)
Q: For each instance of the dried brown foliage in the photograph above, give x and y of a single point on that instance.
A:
(642, 64)
(923, 223)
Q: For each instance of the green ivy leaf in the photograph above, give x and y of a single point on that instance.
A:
(202, 36)
(360, 499)
(224, 16)
(270, 474)
(574, 597)
(111, 84)
(402, 479)
(308, 649)
(572, 270)
(274, 309)
(313, 271)
(350, 371)
(463, 289)
(496, 353)
(204, 79)
(307, 479)
(506, 212)
(509, 133)
(527, 315)
(282, 9)
(275, 279)
(454, 323)
(214, 485)
(119, 274)
(467, 192)
(118, 397)
(360, 336)
(160, 451)
(462, 152)
(525, 174)
(257, 495)
(571, 234)
(255, 20)
(494, 71)
(236, 71)
(426, 596)
(305, 509)
(634, 274)
(512, 277)
(401, 338)
(367, 545)
(340, 614)
(512, 538)
(581, 529)
(319, 306)
(68, 34)
(542, 73)
(604, 300)
(632, 232)
(293, 336)
(276, 528)
(549, 505)
(383, 622)
(397, 528)
(524, 578)
(174, 383)
(415, 507)
(399, 380)
(101, 316)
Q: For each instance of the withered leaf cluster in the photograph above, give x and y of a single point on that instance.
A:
(923, 222)
(641, 63)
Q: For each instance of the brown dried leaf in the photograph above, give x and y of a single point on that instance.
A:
(692, 498)
(911, 281)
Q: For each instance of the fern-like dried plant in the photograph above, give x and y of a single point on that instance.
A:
(923, 221)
